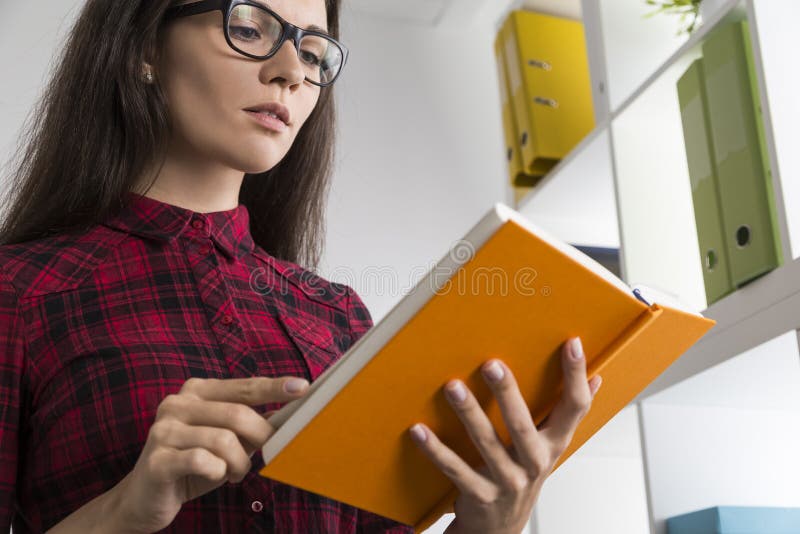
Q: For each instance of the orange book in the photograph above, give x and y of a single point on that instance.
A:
(508, 290)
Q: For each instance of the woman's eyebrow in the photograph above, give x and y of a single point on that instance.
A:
(313, 27)
(316, 28)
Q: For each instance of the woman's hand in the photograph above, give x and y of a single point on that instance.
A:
(202, 437)
(499, 497)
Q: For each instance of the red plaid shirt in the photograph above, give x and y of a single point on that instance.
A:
(97, 327)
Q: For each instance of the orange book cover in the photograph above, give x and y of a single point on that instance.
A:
(508, 290)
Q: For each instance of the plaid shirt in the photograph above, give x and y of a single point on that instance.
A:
(97, 327)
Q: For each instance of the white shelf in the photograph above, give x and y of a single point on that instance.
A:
(756, 313)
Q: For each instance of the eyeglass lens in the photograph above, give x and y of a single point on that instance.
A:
(255, 31)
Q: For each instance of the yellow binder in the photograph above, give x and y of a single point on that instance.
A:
(548, 72)
(512, 154)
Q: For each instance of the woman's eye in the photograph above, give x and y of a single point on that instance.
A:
(243, 32)
(310, 57)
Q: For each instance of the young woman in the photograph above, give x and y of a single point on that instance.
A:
(153, 307)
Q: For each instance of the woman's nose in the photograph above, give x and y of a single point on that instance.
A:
(285, 65)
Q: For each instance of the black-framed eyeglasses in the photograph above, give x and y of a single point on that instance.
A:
(257, 32)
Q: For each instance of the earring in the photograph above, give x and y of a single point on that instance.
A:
(148, 73)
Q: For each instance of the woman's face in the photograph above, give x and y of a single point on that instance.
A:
(208, 87)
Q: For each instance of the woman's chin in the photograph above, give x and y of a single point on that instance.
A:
(260, 159)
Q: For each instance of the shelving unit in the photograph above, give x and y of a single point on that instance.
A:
(653, 212)
(740, 309)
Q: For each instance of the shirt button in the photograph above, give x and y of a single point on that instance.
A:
(205, 249)
(197, 223)
(256, 506)
(227, 319)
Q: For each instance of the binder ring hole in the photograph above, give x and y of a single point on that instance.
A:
(524, 138)
(743, 236)
(510, 154)
(711, 260)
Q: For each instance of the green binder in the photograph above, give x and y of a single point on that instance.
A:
(739, 153)
(702, 174)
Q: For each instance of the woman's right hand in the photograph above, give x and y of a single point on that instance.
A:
(202, 437)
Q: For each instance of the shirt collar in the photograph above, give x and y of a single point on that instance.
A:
(148, 217)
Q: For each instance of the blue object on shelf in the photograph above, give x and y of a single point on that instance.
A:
(737, 520)
(605, 256)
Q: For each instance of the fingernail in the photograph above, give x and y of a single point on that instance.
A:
(576, 349)
(295, 385)
(418, 433)
(456, 391)
(599, 383)
(494, 372)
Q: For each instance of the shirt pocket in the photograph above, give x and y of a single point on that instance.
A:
(315, 341)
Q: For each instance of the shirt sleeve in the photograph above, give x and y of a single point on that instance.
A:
(358, 315)
(367, 522)
(12, 357)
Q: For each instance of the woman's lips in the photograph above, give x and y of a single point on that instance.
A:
(270, 123)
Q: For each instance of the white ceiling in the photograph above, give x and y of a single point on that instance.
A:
(449, 13)
(422, 12)
(560, 8)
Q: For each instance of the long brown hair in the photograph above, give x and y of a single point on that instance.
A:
(96, 129)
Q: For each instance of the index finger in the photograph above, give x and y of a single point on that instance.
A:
(251, 391)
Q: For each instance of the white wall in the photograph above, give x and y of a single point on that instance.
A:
(40, 25)
(421, 152)
(600, 489)
(727, 436)
(635, 45)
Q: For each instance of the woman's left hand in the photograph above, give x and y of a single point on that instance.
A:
(500, 495)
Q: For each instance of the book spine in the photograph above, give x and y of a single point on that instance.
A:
(626, 338)
(597, 365)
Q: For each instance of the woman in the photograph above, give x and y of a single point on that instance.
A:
(153, 309)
